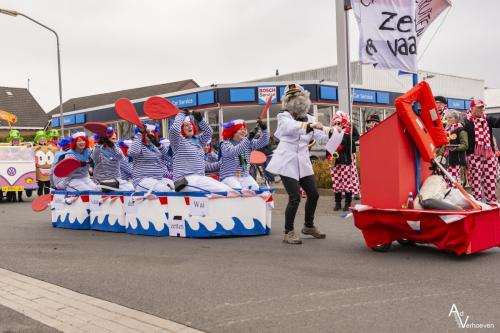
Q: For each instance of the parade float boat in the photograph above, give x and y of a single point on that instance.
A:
(174, 214)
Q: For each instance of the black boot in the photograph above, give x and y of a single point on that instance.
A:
(348, 201)
(338, 201)
(20, 196)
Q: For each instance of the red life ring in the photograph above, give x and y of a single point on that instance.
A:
(426, 129)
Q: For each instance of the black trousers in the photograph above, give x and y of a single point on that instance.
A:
(292, 187)
(43, 187)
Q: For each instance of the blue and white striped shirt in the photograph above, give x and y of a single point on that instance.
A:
(212, 163)
(147, 160)
(167, 165)
(106, 162)
(189, 156)
(126, 169)
(230, 164)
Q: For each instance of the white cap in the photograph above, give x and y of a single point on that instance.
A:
(78, 134)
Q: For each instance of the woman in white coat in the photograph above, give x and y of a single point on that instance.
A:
(291, 159)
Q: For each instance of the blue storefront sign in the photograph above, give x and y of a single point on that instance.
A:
(456, 103)
(69, 120)
(206, 97)
(238, 95)
(328, 93)
(183, 101)
(364, 96)
(281, 92)
(382, 97)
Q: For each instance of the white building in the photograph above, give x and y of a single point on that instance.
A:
(492, 100)
(458, 90)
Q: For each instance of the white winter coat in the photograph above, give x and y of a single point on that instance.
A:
(291, 157)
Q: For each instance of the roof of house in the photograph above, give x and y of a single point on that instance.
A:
(91, 101)
(24, 106)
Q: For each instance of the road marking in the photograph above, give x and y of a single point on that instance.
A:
(69, 311)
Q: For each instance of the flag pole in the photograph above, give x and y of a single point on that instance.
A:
(343, 58)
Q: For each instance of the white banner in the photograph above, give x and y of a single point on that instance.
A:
(426, 12)
(129, 206)
(389, 30)
(95, 202)
(198, 206)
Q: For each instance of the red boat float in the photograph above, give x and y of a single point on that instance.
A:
(389, 172)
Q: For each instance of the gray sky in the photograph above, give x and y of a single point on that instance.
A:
(109, 45)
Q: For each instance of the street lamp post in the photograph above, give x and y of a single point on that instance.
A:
(14, 13)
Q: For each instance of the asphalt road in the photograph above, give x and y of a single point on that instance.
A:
(12, 321)
(257, 284)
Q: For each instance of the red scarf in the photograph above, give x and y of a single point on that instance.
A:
(453, 127)
(482, 138)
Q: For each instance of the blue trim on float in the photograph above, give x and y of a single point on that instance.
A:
(67, 224)
(160, 194)
(150, 231)
(219, 231)
(106, 226)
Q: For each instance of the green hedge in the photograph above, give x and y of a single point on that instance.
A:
(322, 171)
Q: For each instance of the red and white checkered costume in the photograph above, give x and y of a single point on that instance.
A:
(454, 171)
(483, 162)
(482, 177)
(345, 177)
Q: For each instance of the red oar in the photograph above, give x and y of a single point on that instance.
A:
(126, 110)
(266, 107)
(157, 108)
(257, 157)
(97, 128)
(41, 203)
(66, 167)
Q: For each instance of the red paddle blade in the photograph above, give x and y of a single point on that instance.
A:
(41, 203)
(266, 107)
(126, 110)
(157, 108)
(257, 157)
(66, 167)
(97, 128)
